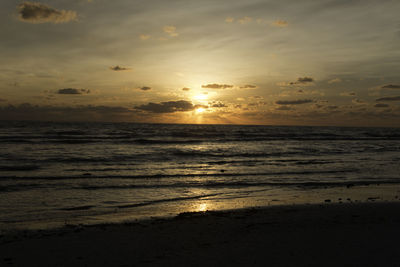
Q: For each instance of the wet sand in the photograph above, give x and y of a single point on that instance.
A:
(352, 234)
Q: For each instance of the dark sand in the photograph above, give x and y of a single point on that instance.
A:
(310, 235)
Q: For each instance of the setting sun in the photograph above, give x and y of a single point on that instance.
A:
(200, 110)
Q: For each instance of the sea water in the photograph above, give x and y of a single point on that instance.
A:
(60, 173)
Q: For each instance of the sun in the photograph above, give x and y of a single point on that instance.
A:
(202, 207)
(200, 110)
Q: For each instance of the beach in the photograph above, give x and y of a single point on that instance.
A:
(339, 234)
(109, 194)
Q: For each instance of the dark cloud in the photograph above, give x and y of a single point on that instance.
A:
(2, 100)
(167, 107)
(300, 81)
(28, 111)
(248, 86)
(391, 86)
(294, 102)
(305, 80)
(381, 105)
(218, 105)
(392, 98)
(185, 89)
(34, 12)
(119, 68)
(200, 106)
(145, 88)
(73, 91)
(217, 86)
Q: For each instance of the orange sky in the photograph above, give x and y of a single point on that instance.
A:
(248, 62)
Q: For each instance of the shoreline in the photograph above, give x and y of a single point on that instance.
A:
(330, 234)
(169, 208)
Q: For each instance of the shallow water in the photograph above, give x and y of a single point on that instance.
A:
(54, 173)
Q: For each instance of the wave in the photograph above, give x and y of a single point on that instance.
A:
(19, 168)
(87, 207)
(141, 134)
(246, 184)
(205, 185)
(159, 176)
(153, 140)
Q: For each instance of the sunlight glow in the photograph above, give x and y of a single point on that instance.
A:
(200, 110)
(202, 207)
(201, 97)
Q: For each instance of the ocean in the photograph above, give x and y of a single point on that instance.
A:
(55, 174)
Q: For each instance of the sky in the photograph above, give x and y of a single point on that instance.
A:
(287, 62)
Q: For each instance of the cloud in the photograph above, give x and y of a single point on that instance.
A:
(392, 98)
(217, 86)
(144, 37)
(167, 107)
(391, 86)
(72, 91)
(28, 111)
(294, 102)
(200, 106)
(280, 23)
(248, 86)
(318, 106)
(358, 101)
(336, 80)
(171, 31)
(332, 107)
(245, 20)
(185, 89)
(381, 105)
(300, 80)
(2, 100)
(229, 20)
(118, 68)
(305, 80)
(348, 94)
(283, 108)
(145, 88)
(33, 12)
(218, 105)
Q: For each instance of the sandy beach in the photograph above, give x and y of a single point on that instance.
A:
(352, 234)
